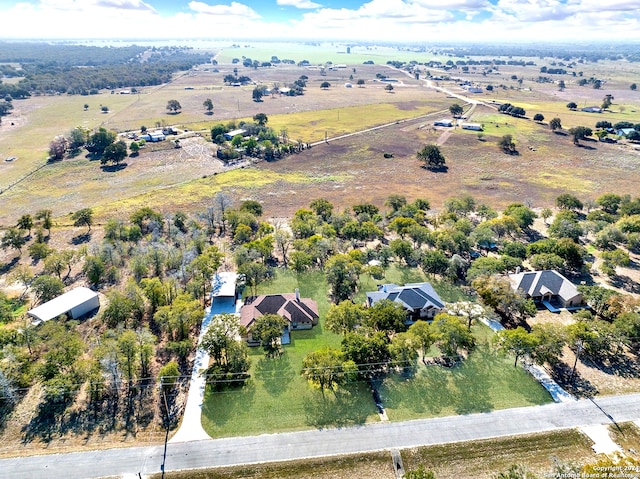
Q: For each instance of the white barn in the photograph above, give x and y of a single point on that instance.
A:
(77, 303)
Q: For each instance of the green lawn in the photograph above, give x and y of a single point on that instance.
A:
(277, 398)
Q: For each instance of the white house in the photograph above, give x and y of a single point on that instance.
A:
(76, 303)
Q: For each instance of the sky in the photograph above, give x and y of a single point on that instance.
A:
(331, 20)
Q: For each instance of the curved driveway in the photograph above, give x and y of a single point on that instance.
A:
(327, 442)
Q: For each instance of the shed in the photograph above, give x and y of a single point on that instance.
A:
(76, 303)
(471, 126)
(224, 285)
(229, 135)
(443, 122)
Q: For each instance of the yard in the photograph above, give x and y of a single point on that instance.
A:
(277, 398)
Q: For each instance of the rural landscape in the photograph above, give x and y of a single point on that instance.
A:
(404, 233)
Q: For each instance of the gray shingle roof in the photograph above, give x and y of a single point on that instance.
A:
(413, 296)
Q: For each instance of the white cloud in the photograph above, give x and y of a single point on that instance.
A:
(234, 9)
(302, 4)
(373, 20)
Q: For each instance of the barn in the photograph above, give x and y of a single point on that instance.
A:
(76, 303)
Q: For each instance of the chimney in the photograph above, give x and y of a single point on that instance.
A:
(297, 294)
(517, 269)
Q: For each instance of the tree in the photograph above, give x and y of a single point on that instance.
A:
(456, 110)
(46, 287)
(258, 93)
(389, 87)
(327, 368)
(370, 353)
(104, 109)
(580, 133)
(13, 238)
(261, 119)
(173, 106)
(555, 124)
(45, 217)
(423, 336)
(517, 341)
(633, 87)
(25, 222)
(115, 153)
(267, 329)
(83, 217)
(572, 105)
(345, 316)
(497, 294)
(128, 354)
(507, 144)
(342, 273)
(325, 85)
(177, 319)
(58, 147)
(386, 316)
(452, 335)
(567, 201)
(204, 266)
(546, 213)
(431, 156)
(538, 117)
(420, 473)
(135, 148)
(208, 105)
(169, 375)
(99, 141)
(360, 83)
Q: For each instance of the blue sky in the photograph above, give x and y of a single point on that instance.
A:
(349, 20)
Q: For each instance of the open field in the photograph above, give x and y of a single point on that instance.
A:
(477, 460)
(168, 178)
(277, 398)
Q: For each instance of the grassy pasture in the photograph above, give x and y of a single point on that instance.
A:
(277, 398)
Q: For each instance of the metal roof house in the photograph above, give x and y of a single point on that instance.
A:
(547, 287)
(419, 299)
(229, 135)
(76, 303)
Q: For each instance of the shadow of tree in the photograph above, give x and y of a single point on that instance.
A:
(576, 385)
(5, 268)
(219, 407)
(335, 410)
(275, 373)
(113, 168)
(626, 283)
(81, 238)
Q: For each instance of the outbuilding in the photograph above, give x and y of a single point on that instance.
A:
(76, 303)
(471, 126)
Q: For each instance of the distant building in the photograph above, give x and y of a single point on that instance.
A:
(443, 122)
(420, 300)
(592, 109)
(471, 126)
(76, 303)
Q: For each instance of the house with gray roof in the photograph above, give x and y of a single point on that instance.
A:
(420, 300)
(547, 287)
(300, 313)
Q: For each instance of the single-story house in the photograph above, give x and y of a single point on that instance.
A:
(624, 131)
(443, 122)
(76, 303)
(229, 135)
(471, 126)
(547, 286)
(419, 299)
(592, 109)
(156, 136)
(300, 313)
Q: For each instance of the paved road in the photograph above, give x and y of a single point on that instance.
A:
(327, 442)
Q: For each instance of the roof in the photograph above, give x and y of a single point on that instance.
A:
(233, 133)
(289, 306)
(413, 296)
(224, 284)
(538, 283)
(62, 304)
